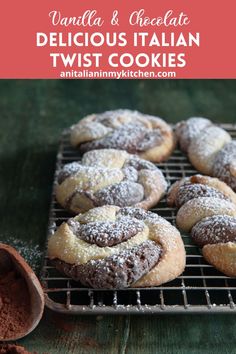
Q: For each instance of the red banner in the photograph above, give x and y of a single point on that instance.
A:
(118, 39)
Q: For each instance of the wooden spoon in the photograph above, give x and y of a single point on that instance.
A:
(10, 260)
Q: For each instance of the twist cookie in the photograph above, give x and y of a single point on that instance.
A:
(109, 176)
(204, 148)
(177, 192)
(225, 164)
(208, 211)
(112, 247)
(187, 130)
(209, 148)
(147, 136)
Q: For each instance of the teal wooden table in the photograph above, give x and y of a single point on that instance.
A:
(32, 115)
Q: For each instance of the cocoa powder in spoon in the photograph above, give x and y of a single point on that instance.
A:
(14, 305)
(14, 349)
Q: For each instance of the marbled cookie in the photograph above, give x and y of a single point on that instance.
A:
(208, 211)
(112, 247)
(188, 129)
(215, 229)
(109, 176)
(210, 148)
(205, 146)
(225, 164)
(147, 136)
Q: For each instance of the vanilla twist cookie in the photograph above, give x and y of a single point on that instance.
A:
(225, 164)
(175, 192)
(204, 147)
(113, 248)
(207, 209)
(187, 130)
(109, 176)
(209, 148)
(149, 137)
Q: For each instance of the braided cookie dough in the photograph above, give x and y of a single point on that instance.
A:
(208, 211)
(109, 176)
(187, 130)
(225, 164)
(112, 247)
(147, 136)
(209, 148)
(204, 148)
(177, 190)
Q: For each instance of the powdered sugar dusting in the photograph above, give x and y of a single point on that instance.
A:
(95, 178)
(189, 129)
(198, 208)
(87, 131)
(118, 117)
(187, 192)
(30, 251)
(215, 229)
(130, 130)
(109, 158)
(68, 170)
(98, 185)
(224, 164)
(210, 205)
(104, 233)
(127, 137)
(139, 164)
(121, 194)
(212, 222)
(71, 249)
(130, 173)
(116, 271)
(82, 242)
(204, 146)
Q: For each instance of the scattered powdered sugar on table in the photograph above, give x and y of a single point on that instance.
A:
(28, 250)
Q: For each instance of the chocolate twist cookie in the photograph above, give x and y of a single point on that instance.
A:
(187, 130)
(209, 148)
(225, 164)
(208, 210)
(112, 247)
(147, 136)
(112, 177)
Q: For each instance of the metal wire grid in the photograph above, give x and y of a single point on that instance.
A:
(200, 289)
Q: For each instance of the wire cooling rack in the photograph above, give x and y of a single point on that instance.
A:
(200, 289)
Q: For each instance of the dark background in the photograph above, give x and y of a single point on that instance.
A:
(32, 115)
